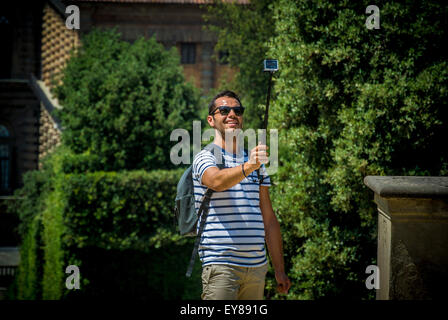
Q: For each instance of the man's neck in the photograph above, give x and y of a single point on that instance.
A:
(231, 147)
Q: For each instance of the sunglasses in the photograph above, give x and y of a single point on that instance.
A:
(224, 110)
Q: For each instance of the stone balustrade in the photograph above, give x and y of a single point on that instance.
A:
(412, 236)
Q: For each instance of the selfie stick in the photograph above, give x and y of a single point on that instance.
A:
(266, 114)
(269, 66)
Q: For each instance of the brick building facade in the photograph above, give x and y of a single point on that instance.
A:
(176, 23)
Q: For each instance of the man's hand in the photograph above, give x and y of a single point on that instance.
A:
(258, 156)
(283, 282)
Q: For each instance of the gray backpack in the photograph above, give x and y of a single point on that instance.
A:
(185, 211)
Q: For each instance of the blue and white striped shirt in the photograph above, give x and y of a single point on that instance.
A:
(234, 230)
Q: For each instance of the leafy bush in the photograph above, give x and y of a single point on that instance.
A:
(352, 102)
(80, 163)
(349, 102)
(121, 101)
(119, 210)
(28, 206)
(121, 231)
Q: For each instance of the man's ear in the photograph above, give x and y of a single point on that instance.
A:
(211, 121)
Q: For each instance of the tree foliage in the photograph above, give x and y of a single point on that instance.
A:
(244, 32)
(349, 102)
(121, 101)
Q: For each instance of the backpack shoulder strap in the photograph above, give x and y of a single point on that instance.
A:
(204, 208)
(203, 213)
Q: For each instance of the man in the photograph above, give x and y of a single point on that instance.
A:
(240, 217)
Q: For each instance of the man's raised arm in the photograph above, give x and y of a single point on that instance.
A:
(220, 180)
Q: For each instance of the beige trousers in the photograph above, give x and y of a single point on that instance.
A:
(226, 282)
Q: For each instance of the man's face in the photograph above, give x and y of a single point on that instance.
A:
(229, 122)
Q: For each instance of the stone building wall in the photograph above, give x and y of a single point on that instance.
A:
(57, 42)
(49, 134)
(20, 113)
(171, 22)
(25, 38)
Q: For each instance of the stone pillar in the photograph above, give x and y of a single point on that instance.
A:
(412, 236)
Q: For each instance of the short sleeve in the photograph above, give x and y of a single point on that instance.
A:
(266, 180)
(203, 160)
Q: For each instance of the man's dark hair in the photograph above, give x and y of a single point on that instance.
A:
(225, 93)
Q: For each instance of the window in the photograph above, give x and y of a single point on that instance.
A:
(5, 160)
(188, 53)
(223, 57)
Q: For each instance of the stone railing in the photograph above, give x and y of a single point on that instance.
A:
(412, 236)
(50, 126)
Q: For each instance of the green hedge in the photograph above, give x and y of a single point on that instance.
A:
(118, 210)
(117, 227)
(28, 208)
(121, 234)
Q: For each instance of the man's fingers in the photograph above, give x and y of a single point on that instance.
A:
(282, 288)
(284, 285)
(259, 159)
(263, 157)
(288, 286)
(263, 160)
(259, 156)
(260, 147)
